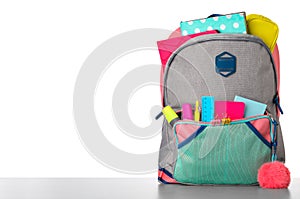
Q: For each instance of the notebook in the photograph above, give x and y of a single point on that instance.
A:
(168, 46)
(230, 23)
(229, 109)
(252, 107)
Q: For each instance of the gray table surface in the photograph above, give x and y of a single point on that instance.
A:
(57, 188)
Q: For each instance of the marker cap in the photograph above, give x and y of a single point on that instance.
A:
(187, 112)
(169, 113)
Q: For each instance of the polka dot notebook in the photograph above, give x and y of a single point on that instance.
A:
(230, 23)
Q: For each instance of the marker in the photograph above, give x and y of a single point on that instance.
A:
(170, 115)
(187, 112)
(197, 113)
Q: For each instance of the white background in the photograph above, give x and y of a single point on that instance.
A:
(43, 45)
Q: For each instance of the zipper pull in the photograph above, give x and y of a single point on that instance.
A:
(158, 115)
(274, 140)
(274, 135)
(276, 101)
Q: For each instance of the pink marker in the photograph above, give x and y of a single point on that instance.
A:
(187, 112)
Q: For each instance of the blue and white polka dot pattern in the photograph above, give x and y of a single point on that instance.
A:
(231, 23)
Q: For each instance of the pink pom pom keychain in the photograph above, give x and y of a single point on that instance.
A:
(274, 175)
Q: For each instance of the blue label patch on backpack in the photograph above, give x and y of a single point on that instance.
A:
(225, 64)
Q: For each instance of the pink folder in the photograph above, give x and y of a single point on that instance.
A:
(229, 109)
(168, 46)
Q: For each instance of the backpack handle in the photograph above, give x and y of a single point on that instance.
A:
(214, 15)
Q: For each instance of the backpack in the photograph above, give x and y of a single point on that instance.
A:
(222, 66)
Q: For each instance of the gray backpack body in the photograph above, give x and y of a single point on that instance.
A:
(195, 70)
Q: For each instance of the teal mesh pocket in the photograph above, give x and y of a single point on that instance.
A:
(228, 154)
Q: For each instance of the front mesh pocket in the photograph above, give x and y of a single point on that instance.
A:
(228, 154)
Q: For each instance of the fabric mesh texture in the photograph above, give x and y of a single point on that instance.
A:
(230, 154)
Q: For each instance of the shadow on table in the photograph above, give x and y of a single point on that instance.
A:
(220, 191)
